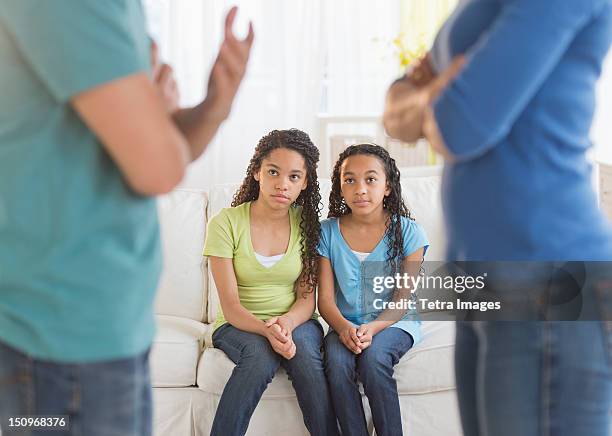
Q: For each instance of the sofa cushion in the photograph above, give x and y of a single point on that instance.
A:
(422, 197)
(215, 368)
(175, 351)
(428, 367)
(183, 285)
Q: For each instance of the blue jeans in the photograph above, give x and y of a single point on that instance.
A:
(109, 398)
(256, 363)
(374, 368)
(534, 378)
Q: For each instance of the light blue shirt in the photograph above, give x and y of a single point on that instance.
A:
(353, 279)
(517, 119)
(79, 250)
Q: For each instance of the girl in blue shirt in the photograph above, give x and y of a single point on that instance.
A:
(369, 234)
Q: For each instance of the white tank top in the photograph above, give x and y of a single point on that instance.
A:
(268, 261)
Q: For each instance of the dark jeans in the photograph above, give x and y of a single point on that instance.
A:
(257, 363)
(374, 368)
(109, 398)
(534, 378)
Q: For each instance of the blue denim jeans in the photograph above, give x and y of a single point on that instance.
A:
(109, 398)
(256, 363)
(534, 378)
(374, 368)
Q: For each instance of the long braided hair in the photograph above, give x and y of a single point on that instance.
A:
(393, 203)
(309, 198)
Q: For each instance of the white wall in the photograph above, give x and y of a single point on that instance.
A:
(602, 126)
(309, 56)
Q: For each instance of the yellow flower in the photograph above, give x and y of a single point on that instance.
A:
(407, 56)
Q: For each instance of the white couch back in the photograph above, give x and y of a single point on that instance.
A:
(186, 287)
(183, 286)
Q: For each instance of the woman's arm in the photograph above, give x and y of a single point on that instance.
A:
(225, 279)
(329, 310)
(409, 97)
(411, 265)
(506, 68)
(406, 94)
(300, 312)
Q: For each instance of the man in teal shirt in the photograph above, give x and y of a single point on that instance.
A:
(85, 145)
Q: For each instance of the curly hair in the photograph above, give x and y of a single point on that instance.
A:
(309, 199)
(393, 203)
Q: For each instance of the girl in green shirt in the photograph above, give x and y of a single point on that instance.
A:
(263, 259)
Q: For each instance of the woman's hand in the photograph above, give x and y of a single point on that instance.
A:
(422, 73)
(348, 336)
(281, 344)
(365, 333)
(409, 100)
(286, 323)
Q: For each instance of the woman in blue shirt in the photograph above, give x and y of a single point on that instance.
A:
(512, 115)
(369, 235)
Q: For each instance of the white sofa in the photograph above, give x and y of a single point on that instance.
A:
(188, 375)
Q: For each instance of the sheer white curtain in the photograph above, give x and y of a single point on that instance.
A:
(602, 128)
(309, 56)
(282, 88)
(360, 57)
(188, 35)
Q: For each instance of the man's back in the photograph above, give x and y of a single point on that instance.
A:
(79, 259)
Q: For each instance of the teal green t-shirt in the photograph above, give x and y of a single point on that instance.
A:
(79, 251)
(265, 292)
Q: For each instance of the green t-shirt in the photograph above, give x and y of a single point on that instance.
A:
(265, 292)
(79, 251)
